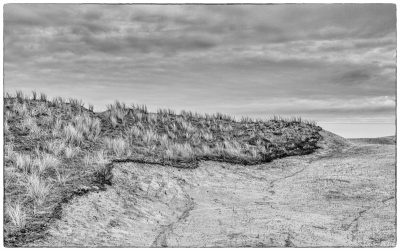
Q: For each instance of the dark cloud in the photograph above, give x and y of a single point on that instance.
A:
(355, 76)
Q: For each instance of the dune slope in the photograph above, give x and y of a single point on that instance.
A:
(57, 150)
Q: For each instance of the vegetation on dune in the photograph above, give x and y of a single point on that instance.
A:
(57, 149)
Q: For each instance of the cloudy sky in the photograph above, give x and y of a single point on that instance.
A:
(332, 63)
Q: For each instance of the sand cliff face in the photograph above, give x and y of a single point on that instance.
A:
(343, 195)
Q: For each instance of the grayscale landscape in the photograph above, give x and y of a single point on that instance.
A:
(155, 126)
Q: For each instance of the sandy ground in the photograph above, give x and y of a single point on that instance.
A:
(343, 195)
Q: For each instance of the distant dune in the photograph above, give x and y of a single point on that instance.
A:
(388, 140)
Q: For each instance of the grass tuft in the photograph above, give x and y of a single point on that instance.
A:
(73, 135)
(116, 146)
(43, 97)
(16, 214)
(37, 189)
(23, 162)
(46, 161)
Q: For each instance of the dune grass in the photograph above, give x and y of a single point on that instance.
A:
(56, 147)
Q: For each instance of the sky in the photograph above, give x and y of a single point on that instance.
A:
(332, 63)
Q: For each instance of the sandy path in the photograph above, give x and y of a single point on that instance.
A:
(344, 195)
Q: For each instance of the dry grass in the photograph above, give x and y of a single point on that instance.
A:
(37, 188)
(73, 135)
(117, 147)
(149, 137)
(87, 126)
(6, 127)
(43, 97)
(46, 161)
(87, 160)
(71, 152)
(23, 162)
(61, 176)
(20, 109)
(56, 147)
(183, 150)
(16, 214)
(9, 152)
(34, 95)
(99, 158)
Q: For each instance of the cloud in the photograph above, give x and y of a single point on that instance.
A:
(240, 59)
(355, 76)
